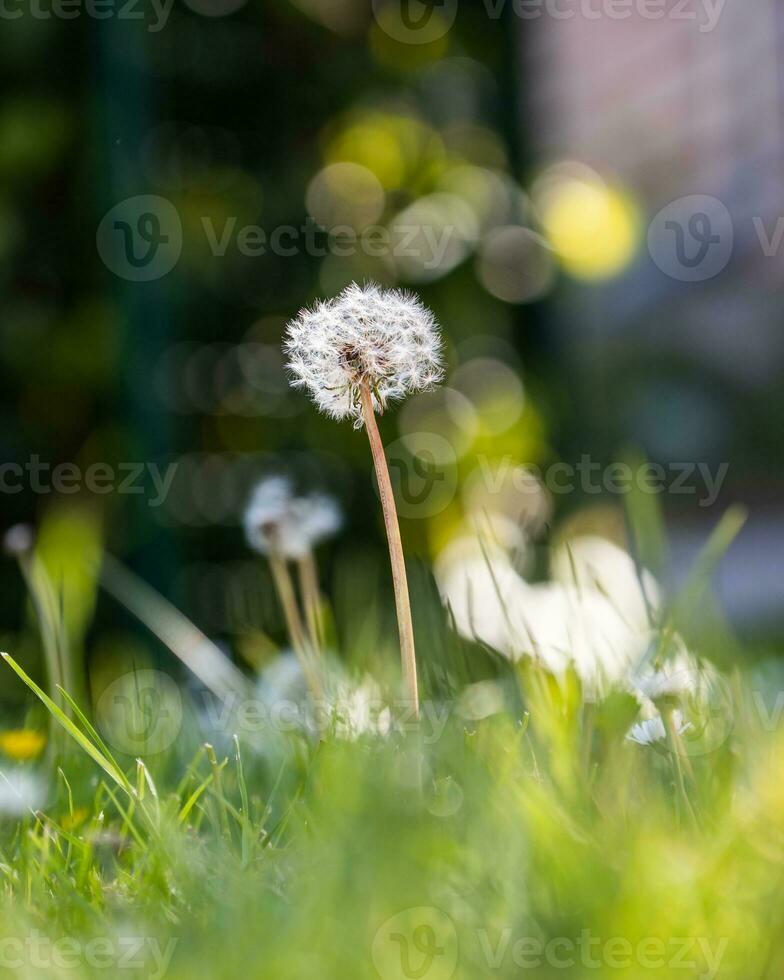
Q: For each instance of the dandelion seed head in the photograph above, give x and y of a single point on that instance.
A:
(278, 521)
(320, 515)
(384, 338)
(349, 709)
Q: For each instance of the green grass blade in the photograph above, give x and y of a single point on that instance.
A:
(78, 736)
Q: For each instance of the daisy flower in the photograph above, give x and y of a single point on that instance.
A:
(652, 730)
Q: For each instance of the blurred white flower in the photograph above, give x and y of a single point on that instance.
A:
(652, 729)
(20, 791)
(384, 338)
(347, 709)
(592, 562)
(558, 624)
(678, 674)
(563, 625)
(277, 520)
(352, 710)
(481, 587)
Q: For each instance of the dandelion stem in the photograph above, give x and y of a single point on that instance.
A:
(399, 579)
(288, 600)
(311, 598)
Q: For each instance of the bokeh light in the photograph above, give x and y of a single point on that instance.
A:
(432, 236)
(394, 146)
(494, 389)
(594, 228)
(444, 411)
(515, 264)
(345, 194)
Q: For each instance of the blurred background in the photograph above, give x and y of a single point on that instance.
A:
(588, 194)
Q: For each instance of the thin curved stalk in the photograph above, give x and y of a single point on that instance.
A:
(311, 599)
(299, 640)
(399, 578)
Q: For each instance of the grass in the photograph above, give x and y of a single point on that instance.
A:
(514, 830)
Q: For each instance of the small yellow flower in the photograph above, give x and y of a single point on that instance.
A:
(72, 820)
(22, 744)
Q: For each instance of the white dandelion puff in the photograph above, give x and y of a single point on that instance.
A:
(385, 339)
(266, 513)
(286, 528)
(276, 520)
(348, 708)
(320, 515)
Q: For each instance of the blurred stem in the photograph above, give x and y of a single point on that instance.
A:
(311, 597)
(44, 607)
(677, 753)
(217, 782)
(42, 602)
(288, 600)
(399, 579)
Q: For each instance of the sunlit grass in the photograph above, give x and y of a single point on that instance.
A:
(516, 828)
